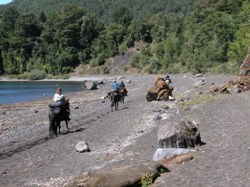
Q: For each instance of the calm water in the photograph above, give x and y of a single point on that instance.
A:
(20, 91)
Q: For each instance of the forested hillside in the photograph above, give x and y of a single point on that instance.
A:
(103, 9)
(49, 37)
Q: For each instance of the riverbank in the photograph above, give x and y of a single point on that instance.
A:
(28, 157)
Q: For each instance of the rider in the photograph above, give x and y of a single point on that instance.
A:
(167, 79)
(60, 98)
(114, 86)
(122, 86)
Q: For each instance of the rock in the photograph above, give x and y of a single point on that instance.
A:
(171, 98)
(157, 117)
(165, 116)
(183, 134)
(103, 97)
(139, 131)
(128, 81)
(198, 75)
(82, 147)
(166, 107)
(91, 85)
(101, 82)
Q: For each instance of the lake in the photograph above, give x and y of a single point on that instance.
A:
(20, 91)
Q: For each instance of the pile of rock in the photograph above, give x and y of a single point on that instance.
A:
(243, 81)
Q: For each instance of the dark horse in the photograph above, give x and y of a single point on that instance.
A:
(58, 112)
(123, 92)
(115, 98)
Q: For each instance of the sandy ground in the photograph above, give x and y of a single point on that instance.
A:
(28, 157)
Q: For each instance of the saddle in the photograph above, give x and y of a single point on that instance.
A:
(57, 107)
(56, 104)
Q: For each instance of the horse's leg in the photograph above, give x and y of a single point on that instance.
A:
(66, 122)
(58, 124)
(112, 103)
(51, 128)
(116, 105)
(112, 108)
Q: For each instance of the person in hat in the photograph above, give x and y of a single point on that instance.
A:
(167, 79)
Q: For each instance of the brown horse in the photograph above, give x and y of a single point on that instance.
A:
(115, 98)
(123, 92)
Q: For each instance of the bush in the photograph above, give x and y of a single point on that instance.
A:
(37, 75)
(228, 68)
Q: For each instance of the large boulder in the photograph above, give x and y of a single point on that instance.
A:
(183, 134)
(91, 85)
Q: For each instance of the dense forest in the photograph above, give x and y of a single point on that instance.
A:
(49, 37)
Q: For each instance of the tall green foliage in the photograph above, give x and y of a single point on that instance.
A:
(238, 48)
(174, 36)
(122, 16)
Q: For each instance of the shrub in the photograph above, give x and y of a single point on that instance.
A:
(37, 75)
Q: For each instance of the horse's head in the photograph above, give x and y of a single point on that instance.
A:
(67, 105)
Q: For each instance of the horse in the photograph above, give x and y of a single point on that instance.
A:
(115, 98)
(58, 112)
(123, 92)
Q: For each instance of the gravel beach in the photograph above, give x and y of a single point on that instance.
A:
(29, 157)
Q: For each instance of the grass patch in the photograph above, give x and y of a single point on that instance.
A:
(147, 180)
(197, 101)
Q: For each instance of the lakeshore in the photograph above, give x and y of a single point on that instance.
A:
(16, 91)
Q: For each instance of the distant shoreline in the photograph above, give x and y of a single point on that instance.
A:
(71, 78)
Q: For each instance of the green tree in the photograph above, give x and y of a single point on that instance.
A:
(1, 63)
(122, 16)
(109, 40)
(10, 17)
(238, 47)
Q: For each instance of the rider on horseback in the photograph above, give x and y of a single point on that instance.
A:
(122, 87)
(59, 98)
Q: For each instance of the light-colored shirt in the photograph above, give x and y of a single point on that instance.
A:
(114, 86)
(58, 97)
